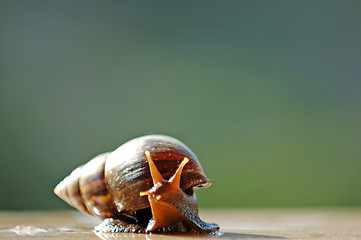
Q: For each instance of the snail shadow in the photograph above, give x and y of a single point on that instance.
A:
(221, 235)
(226, 235)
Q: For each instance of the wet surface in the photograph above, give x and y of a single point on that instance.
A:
(339, 223)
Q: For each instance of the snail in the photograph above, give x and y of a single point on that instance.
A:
(145, 185)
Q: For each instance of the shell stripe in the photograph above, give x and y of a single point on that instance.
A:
(94, 190)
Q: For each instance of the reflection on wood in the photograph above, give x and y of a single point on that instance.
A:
(235, 224)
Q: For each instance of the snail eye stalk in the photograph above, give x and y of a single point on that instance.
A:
(175, 179)
(156, 176)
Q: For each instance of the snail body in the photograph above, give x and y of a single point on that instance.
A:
(145, 185)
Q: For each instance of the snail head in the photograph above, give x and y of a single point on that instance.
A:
(165, 196)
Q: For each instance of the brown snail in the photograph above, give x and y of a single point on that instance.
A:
(128, 187)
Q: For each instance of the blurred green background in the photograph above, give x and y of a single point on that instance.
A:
(266, 93)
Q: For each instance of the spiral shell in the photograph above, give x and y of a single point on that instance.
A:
(109, 184)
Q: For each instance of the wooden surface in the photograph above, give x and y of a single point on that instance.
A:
(337, 223)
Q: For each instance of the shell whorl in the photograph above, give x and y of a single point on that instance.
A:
(85, 189)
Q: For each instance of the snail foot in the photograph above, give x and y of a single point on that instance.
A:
(179, 227)
(117, 225)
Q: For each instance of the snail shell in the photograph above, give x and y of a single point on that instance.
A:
(109, 185)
